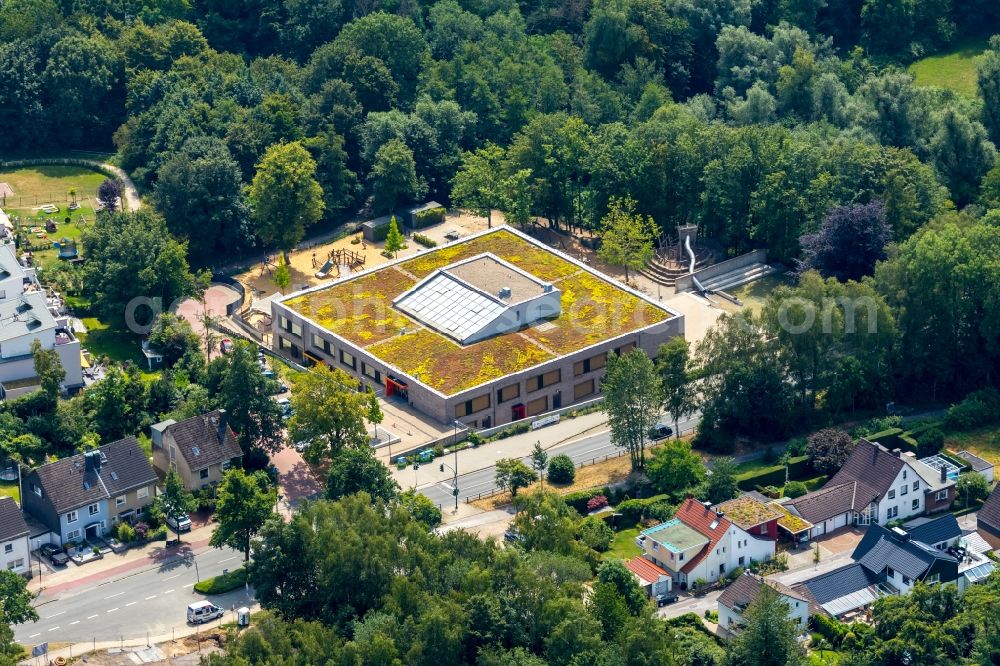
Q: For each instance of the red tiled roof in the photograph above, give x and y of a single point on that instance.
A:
(645, 570)
(700, 518)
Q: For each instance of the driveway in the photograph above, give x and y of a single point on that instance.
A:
(295, 479)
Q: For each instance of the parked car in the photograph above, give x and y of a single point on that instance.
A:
(281, 388)
(226, 346)
(203, 611)
(664, 599)
(286, 407)
(179, 524)
(54, 554)
(512, 536)
(660, 431)
(300, 447)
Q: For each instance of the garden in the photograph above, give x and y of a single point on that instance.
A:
(953, 70)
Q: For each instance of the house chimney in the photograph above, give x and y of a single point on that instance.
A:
(898, 453)
(92, 461)
(944, 474)
(707, 505)
(720, 514)
(222, 426)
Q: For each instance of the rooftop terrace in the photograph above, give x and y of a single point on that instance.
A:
(675, 536)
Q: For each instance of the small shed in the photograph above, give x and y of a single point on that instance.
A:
(977, 464)
(376, 230)
(424, 215)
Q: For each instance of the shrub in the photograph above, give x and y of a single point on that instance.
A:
(597, 502)
(662, 510)
(158, 534)
(795, 489)
(141, 530)
(930, 442)
(578, 500)
(426, 241)
(126, 533)
(977, 409)
(562, 470)
(879, 425)
(426, 218)
(634, 510)
(438, 450)
(595, 533)
(222, 583)
(830, 629)
(971, 488)
(206, 498)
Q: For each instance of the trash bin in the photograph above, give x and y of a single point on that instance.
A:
(243, 617)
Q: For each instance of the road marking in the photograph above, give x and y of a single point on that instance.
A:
(91, 617)
(172, 577)
(131, 603)
(33, 635)
(74, 622)
(189, 585)
(54, 615)
(169, 591)
(112, 610)
(116, 595)
(152, 596)
(53, 628)
(228, 558)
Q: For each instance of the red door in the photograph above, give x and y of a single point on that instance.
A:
(517, 412)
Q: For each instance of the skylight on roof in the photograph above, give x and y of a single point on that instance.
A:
(195, 450)
(114, 475)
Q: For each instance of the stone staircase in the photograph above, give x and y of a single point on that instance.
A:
(660, 271)
(738, 277)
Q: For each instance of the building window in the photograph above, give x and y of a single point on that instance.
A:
(8, 548)
(120, 500)
(73, 536)
(203, 474)
(624, 349)
(936, 578)
(36, 489)
(915, 505)
(890, 572)
(907, 581)
(93, 509)
(285, 345)
(583, 389)
(892, 512)
(742, 559)
(681, 558)
(370, 372)
(322, 345)
(142, 493)
(590, 364)
(14, 565)
(289, 326)
(538, 406)
(508, 392)
(348, 360)
(477, 404)
(904, 489)
(71, 517)
(892, 494)
(539, 382)
(916, 485)
(904, 473)
(941, 495)
(226, 465)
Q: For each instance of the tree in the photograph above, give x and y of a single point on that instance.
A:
(675, 468)
(627, 236)
(512, 475)
(562, 469)
(393, 176)
(962, 153)
(117, 403)
(614, 572)
(243, 505)
(175, 501)
(282, 275)
(722, 484)
(84, 87)
(328, 413)
(828, 450)
(172, 337)
(394, 240)
(421, 508)
(860, 227)
(988, 80)
(478, 185)
(15, 607)
(971, 488)
(539, 461)
(285, 196)
(632, 402)
(357, 470)
(49, 371)
(246, 395)
(374, 415)
(109, 193)
(673, 364)
(769, 636)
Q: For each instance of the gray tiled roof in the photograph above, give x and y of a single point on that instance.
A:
(68, 485)
(742, 591)
(840, 582)
(977, 463)
(12, 523)
(944, 528)
(989, 515)
(881, 548)
(829, 501)
(198, 441)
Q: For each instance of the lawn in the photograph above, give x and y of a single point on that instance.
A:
(753, 294)
(38, 185)
(26, 219)
(984, 442)
(9, 489)
(623, 547)
(954, 70)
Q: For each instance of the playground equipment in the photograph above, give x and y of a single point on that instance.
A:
(67, 248)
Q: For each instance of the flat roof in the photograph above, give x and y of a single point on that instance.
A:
(675, 536)
(491, 274)
(359, 309)
(27, 314)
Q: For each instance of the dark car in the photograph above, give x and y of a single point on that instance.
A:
(660, 431)
(512, 536)
(664, 599)
(55, 554)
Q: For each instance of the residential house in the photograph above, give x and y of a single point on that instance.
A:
(978, 465)
(84, 496)
(654, 580)
(988, 519)
(701, 544)
(14, 550)
(753, 513)
(743, 591)
(200, 448)
(874, 486)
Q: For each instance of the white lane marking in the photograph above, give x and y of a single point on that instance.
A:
(170, 590)
(74, 622)
(131, 603)
(112, 610)
(33, 635)
(152, 596)
(54, 615)
(228, 558)
(172, 577)
(189, 585)
(117, 594)
(53, 628)
(91, 617)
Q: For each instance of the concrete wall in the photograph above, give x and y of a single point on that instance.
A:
(686, 282)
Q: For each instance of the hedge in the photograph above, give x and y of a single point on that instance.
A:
(633, 510)
(832, 630)
(798, 469)
(425, 218)
(887, 438)
(578, 499)
(222, 583)
(420, 239)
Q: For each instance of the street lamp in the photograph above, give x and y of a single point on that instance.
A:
(454, 490)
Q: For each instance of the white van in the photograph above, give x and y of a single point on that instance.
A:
(203, 611)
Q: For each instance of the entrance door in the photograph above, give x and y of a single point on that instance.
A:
(517, 412)
(93, 531)
(557, 400)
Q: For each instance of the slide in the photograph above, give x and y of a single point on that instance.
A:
(322, 272)
(687, 246)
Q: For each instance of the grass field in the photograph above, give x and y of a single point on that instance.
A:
(120, 346)
(35, 186)
(9, 489)
(623, 547)
(753, 294)
(984, 442)
(953, 70)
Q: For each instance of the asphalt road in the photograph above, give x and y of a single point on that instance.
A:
(582, 450)
(154, 601)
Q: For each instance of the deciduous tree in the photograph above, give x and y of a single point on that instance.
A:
(328, 413)
(828, 450)
(245, 502)
(355, 470)
(769, 636)
(285, 196)
(675, 468)
(512, 475)
(673, 364)
(175, 502)
(632, 400)
(478, 185)
(627, 236)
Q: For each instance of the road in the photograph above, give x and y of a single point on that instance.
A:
(582, 450)
(154, 601)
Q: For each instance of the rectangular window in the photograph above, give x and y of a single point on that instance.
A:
(71, 517)
(348, 360)
(916, 505)
(890, 572)
(93, 509)
(14, 565)
(203, 474)
(590, 364)
(583, 389)
(936, 578)
(226, 465)
(892, 494)
(477, 404)
(508, 393)
(120, 500)
(289, 326)
(892, 512)
(916, 485)
(742, 560)
(907, 581)
(73, 536)
(904, 489)
(285, 345)
(538, 406)
(8, 548)
(322, 345)
(142, 493)
(941, 495)
(371, 372)
(539, 382)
